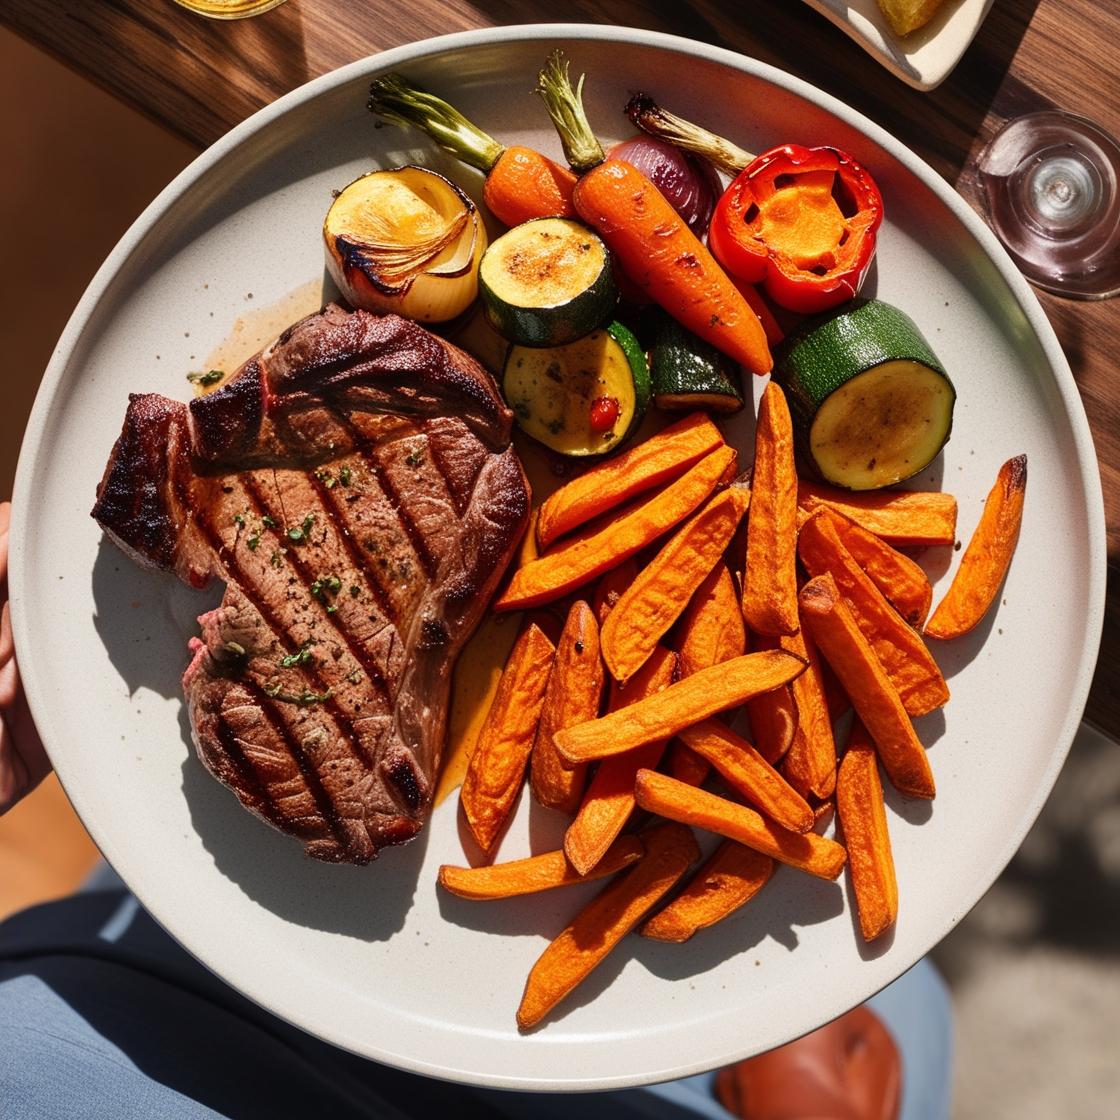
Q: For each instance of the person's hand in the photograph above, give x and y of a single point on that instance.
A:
(23, 762)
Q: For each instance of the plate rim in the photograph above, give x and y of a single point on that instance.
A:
(88, 306)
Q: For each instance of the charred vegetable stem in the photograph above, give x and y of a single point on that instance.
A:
(647, 115)
(395, 100)
(565, 107)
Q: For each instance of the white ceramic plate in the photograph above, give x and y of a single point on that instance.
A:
(374, 959)
(922, 59)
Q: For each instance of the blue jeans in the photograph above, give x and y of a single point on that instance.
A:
(104, 1017)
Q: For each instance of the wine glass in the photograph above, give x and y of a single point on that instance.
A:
(1051, 184)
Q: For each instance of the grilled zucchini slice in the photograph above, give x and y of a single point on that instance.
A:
(585, 398)
(547, 282)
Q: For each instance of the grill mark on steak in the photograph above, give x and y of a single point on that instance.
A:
(340, 746)
(262, 801)
(369, 455)
(282, 635)
(335, 514)
(324, 803)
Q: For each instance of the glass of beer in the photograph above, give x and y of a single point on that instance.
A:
(229, 9)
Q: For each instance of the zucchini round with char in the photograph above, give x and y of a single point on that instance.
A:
(547, 282)
(585, 398)
(871, 403)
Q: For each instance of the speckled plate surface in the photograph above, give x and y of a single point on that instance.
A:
(374, 959)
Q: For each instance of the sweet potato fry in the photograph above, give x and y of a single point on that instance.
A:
(906, 517)
(903, 583)
(682, 704)
(497, 766)
(662, 589)
(576, 562)
(730, 877)
(609, 799)
(773, 714)
(874, 698)
(611, 483)
(711, 631)
(863, 820)
(804, 850)
(603, 923)
(899, 647)
(711, 627)
(749, 774)
(810, 763)
(536, 873)
(770, 578)
(573, 695)
(987, 557)
(610, 587)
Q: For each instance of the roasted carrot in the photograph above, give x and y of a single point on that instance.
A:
(573, 695)
(770, 576)
(609, 800)
(898, 646)
(667, 261)
(681, 705)
(611, 483)
(606, 920)
(662, 589)
(770, 325)
(730, 877)
(906, 517)
(863, 820)
(536, 873)
(987, 557)
(650, 240)
(804, 850)
(810, 763)
(773, 714)
(574, 563)
(874, 698)
(521, 184)
(903, 583)
(497, 766)
(749, 774)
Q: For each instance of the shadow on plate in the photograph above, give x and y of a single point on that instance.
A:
(144, 620)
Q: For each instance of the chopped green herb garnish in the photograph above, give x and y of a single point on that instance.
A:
(253, 541)
(268, 522)
(239, 520)
(355, 591)
(344, 476)
(324, 584)
(326, 478)
(414, 458)
(210, 377)
(298, 532)
(355, 676)
(277, 557)
(300, 657)
(305, 698)
(331, 609)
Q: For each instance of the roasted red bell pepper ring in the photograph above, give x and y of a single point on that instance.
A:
(802, 223)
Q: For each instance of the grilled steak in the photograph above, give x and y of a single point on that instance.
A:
(355, 488)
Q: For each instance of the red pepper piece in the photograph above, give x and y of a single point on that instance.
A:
(603, 413)
(802, 223)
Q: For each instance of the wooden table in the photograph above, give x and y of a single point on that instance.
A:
(200, 77)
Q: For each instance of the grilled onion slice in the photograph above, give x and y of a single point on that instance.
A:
(407, 241)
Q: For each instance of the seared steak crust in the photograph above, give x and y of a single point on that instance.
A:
(355, 488)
